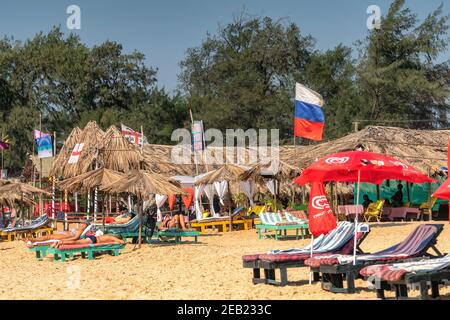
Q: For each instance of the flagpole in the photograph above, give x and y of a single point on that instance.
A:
(41, 203)
(195, 155)
(356, 219)
(54, 178)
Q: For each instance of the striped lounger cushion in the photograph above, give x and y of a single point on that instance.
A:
(105, 246)
(396, 272)
(412, 246)
(270, 218)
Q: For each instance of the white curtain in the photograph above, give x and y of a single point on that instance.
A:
(160, 200)
(210, 192)
(221, 188)
(248, 187)
(198, 191)
(270, 184)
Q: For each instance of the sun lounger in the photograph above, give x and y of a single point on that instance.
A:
(38, 225)
(223, 222)
(126, 230)
(88, 251)
(338, 240)
(176, 234)
(272, 221)
(397, 277)
(335, 268)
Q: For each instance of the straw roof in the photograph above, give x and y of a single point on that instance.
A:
(64, 154)
(143, 184)
(20, 188)
(227, 172)
(10, 200)
(425, 150)
(279, 170)
(118, 153)
(97, 178)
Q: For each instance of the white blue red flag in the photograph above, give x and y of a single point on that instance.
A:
(309, 117)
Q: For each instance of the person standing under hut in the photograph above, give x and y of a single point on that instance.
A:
(397, 198)
(366, 201)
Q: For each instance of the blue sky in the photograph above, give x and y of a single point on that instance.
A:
(163, 30)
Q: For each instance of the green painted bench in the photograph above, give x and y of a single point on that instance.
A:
(61, 255)
(282, 229)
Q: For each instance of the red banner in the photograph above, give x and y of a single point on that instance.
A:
(172, 200)
(321, 218)
(188, 198)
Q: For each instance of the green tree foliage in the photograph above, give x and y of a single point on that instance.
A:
(244, 76)
(71, 84)
(397, 73)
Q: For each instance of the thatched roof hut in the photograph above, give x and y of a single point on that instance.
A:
(63, 156)
(92, 179)
(227, 172)
(118, 153)
(143, 184)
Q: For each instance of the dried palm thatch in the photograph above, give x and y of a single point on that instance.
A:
(92, 179)
(278, 170)
(20, 189)
(425, 150)
(64, 154)
(92, 138)
(143, 184)
(227, 172)
(12, 200)
(118, 153)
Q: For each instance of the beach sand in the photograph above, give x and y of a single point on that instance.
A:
(211, 269)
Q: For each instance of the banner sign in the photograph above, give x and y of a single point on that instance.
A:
(44, 147)
(197, 136)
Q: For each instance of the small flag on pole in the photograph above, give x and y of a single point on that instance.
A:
(133, 136)
(309, 117)
(75, 155)
(39, 134)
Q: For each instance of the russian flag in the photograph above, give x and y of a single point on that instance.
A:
(309, 118)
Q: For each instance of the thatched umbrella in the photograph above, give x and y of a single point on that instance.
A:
(92, 138)
(92, 179)
(118, 153)
(64, 154)
(280, 171)
(227, 172)
(142, 184)
(14, 192)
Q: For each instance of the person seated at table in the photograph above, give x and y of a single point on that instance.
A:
(90, 239)
(73, 234)
(397, 198)
(366, 201)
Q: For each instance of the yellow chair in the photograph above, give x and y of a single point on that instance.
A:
(374, 210)
(425, 208)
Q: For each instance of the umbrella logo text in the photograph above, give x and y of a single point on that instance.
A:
(320, 203)
(337, 160)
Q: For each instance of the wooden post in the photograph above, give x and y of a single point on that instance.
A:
(41, 209)
(139, 208)
(429, 201)
(229, 206)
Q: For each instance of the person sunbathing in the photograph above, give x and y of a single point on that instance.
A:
(177, 221)
(73, 234)
(90, 239)
(120, 219)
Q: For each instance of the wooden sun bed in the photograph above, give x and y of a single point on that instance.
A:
(223, 224)
(281, 229)
(60, 255)
(14, 235)
(177, 234)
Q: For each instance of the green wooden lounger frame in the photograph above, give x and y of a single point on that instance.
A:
(41, 251)
(178, 235)
(60, 255)
(279, 229)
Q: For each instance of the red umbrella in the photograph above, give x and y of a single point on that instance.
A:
(359, 166)
(443, 192)
(372, 167)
